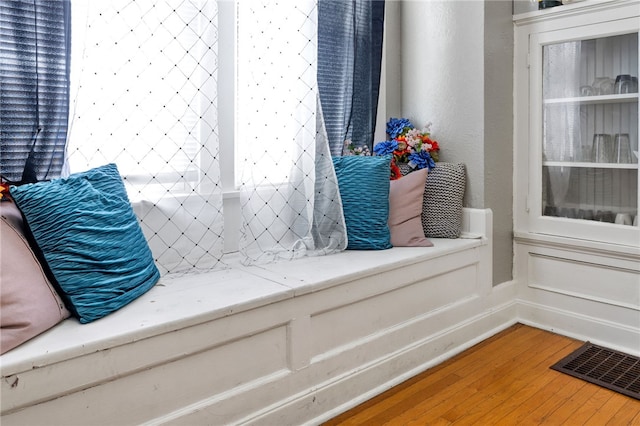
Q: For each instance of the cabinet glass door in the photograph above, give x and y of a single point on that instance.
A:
(589, 131)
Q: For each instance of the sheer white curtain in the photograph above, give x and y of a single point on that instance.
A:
(145, 76)
(289, 194)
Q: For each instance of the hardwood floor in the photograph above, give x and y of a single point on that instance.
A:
(505, 380)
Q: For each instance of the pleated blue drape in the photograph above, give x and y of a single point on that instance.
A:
(349, 59)
(35, 43)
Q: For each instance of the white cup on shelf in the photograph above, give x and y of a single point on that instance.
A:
(624, 219)
(603, 86)
(601, 149)
(586, 91)
(622, 149)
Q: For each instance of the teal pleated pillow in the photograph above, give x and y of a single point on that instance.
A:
(90, 239)
(364, 188)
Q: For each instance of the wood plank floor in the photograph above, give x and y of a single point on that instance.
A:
(505, 380)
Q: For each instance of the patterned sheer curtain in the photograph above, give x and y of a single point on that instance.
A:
(289, 194)
(146, 97)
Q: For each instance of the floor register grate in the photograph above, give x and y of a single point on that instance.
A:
(610, 369)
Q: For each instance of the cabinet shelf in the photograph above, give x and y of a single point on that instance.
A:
(594, 100)
(622, 166)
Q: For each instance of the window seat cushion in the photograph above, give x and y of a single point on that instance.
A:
(182, 301)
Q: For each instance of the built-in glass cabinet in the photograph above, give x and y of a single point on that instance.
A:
(576, 248)
(590, 129)
(582, 132)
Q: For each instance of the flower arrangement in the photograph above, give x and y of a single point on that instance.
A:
(408, 145)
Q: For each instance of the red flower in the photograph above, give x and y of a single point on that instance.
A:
(4, 190)
(395, 171)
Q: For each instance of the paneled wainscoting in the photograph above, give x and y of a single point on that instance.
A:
(288, 343)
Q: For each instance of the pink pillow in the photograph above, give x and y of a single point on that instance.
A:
(30, 304)
(405, 210)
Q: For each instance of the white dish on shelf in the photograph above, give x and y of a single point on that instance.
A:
(636, 154)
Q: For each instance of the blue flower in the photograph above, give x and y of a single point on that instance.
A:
(421, 160)
(396, 126)
(384, 148)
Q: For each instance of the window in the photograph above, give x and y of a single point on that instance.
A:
(154, 90)
(147, 97)
(145, 93)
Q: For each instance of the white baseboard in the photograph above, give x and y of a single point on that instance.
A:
(581, 326)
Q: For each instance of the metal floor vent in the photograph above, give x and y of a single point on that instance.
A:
(604, 367)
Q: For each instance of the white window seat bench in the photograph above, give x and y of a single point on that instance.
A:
(286, 343)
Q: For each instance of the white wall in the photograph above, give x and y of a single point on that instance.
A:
(453, 66)
(443, 80)
(498, 131)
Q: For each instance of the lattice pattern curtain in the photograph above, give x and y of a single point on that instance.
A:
(34, 88)
(349, 63)
(289, 194)
(147, 100)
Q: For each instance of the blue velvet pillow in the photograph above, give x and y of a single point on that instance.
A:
(364, 189)
(90, 239)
